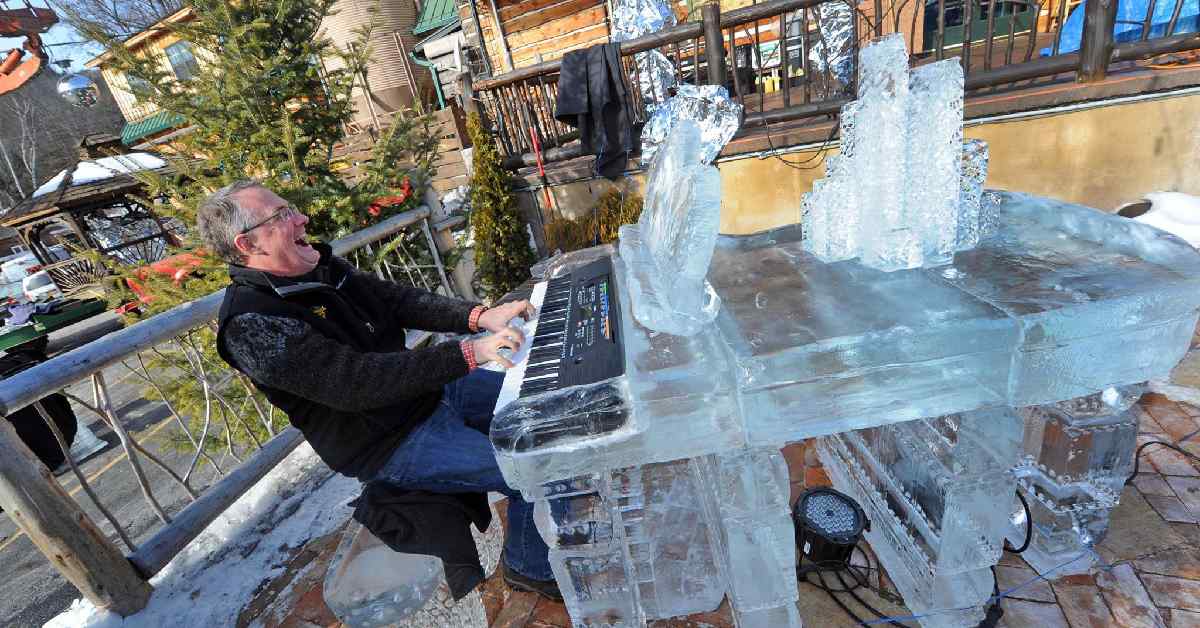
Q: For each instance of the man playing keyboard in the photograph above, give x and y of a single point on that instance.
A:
(325, 343)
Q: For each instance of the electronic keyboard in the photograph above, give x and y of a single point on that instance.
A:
(574, 338)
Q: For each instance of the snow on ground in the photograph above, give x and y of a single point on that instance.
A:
(1176, 213)
(216, 575)
(101, 169)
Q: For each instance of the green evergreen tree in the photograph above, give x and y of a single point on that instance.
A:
(502, 253)
(268, 98)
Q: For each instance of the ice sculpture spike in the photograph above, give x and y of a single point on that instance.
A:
(670, 248)
(912, 198)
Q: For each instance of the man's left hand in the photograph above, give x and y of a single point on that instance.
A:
(496, 319)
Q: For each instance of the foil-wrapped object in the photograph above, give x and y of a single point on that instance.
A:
(633, 18)
(709, 105)
(655, 73)
(833, 50)
(655, 77)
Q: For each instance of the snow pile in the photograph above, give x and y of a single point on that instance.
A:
(101, 169)
(1176, 213)
(216, 576)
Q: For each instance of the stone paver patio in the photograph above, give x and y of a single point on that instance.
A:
(1151, 577)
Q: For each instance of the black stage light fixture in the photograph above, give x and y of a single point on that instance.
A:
(828, 526)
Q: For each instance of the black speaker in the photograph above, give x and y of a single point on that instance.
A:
(828, 526)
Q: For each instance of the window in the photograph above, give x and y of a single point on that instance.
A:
(182, 60)
(138, 86)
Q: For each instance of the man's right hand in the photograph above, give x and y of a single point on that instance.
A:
(487, 349)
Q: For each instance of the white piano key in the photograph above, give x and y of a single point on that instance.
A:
(515, 375)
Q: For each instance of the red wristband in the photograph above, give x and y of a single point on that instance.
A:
(468, 351)
(473, 321)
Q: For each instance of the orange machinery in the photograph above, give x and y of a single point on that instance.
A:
(19, 65)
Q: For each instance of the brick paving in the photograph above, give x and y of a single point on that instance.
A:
(1152, 576)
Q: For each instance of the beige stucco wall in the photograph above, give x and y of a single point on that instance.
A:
(1101, 157)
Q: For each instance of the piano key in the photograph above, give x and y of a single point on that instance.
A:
(511, 387)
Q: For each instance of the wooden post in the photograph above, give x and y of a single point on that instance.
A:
(500, 33)
(1096, 45)
(63, 532)
(714, 47)
(467, 94)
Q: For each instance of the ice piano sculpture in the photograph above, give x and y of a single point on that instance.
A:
(938, 380)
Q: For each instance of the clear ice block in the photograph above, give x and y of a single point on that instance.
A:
(934, 158)
(912, 198)
(648, 522)
(368, 585)
(1085, 288)
(747, 492)
(1077, 457)
(670, 248)
(675, 400)
(934, 492)
(823, 348)
(973, 225)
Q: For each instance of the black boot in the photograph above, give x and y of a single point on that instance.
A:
(515, 581)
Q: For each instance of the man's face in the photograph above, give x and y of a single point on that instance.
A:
(280, 245)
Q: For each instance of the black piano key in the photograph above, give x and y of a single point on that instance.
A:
(538, 371)
(545, 353)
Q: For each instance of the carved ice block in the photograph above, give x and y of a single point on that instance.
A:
(1077, 457)
(935, 492)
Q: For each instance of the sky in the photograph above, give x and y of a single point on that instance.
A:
(59, 34)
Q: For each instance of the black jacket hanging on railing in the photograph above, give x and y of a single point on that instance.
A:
(592, 98)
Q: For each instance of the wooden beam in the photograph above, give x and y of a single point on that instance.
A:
(63, 532)
(560, 46)
(713, 44)
(508, 12)
(543, 36)
(534, 19)
(154, 554)
(527, 56)
(1096, 45)
(501, 36)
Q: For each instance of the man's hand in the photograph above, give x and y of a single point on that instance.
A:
(496, 319)
(488, 348)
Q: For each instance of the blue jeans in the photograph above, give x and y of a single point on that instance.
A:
(451, 453)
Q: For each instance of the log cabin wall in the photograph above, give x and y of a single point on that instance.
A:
(529, 28)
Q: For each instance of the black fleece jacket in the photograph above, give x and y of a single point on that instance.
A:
(328, 349)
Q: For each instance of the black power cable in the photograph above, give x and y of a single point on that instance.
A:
(1137, 461)
(838, 567)
(1028, 529)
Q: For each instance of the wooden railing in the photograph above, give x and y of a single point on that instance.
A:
(59, 526)
(764, 55)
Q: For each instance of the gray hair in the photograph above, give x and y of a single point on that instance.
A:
(221, 218)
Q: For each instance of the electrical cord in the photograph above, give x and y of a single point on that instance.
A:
(1137, 460)
(1028, 530)
(838, 567)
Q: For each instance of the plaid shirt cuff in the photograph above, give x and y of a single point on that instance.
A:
(468, 351)
(473, 321)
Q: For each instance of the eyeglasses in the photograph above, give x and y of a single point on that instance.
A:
(287, 212)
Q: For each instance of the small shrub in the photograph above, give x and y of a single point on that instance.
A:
(502, 253)
(611, 211)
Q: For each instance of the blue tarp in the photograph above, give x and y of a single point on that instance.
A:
(1130, 16)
